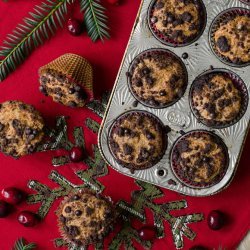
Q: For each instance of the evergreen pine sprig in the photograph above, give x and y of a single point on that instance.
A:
(40, 25)
(20, 245)
(95, 19)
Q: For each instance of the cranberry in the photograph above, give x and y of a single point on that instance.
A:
(114, 2)
(12, 195)
(4, 209)
(27, 218)
(215, 220)
(147, 233)
(74, 27)
(76, 154)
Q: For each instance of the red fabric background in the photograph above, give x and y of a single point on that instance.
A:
(106, 58)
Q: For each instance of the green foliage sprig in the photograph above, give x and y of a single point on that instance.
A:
(21, 245)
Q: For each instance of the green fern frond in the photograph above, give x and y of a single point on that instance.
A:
(95, 19)
(20, 245)
(35, 29)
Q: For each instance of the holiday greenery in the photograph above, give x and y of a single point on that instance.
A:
(41, 24)
(21, 244)
(141, 199)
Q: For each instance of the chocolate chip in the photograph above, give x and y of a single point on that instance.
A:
(153, 102)
(154, 19)
(222, 43)
(170, 17)
(127, 132)
(145, 71)
(138, 83)
(177, 22)
(43, 90)
(163, 93)
(72, 104)
(149, 135)
(73, 231)
(89, 211)
(67, 209)
(120, 131)
(186, 17)
(76, 197)
(159, 5)
(78, 212)
(185, 55)
(207, 148)
(183, 146)
(1, 126)
(150, 80)
(127, 149)
(71, 90)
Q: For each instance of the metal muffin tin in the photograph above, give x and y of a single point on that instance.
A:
(179, 116)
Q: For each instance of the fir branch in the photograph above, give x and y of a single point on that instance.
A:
(20, 245)
(95, 19)
(39, 26)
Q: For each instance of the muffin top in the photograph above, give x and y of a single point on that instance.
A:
(179, 20)
(85, 217)
(21, 128)
(200, 159)
(232, 39)
(215, 99)
(138, 140)
(62, 89)
(158, 78)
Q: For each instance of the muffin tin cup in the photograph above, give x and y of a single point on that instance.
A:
(165, 139)
(245, 1)
(166, 40)
(179, 116)
(238, 83)
(224, 15)
(168, 53)
(188, 182)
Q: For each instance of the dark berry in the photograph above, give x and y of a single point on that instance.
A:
(27, 218)
(147, 233)
(215, 220)
(74, 27)
(222, 43)
(76, 154)
(12, 195)
(4, 209)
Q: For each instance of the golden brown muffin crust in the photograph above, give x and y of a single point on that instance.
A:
(158, 78)
(21, 128)
(233, 39)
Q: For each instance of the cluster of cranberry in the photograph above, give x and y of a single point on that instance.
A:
(10, 197)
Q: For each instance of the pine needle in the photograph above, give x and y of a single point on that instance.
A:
(95, 19)
(20, 245)
(35, 29)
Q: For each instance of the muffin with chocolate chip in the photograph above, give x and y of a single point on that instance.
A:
(21, 128)
(230, 36)
(157, 78)
(177, 22)
(85, 217)
(199, 159)
(217, 99)
(138, 140)
(68, 80)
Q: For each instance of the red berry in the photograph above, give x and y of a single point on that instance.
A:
(114, 2)
(74, 27)
(4, 209)
(215, 220)
(147, 233)
(12, 195)
(27, 218)
(76, 154)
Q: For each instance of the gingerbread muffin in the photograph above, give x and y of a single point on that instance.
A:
(199, 159)
(230, 37)
(85, 217)
(157, 78)
(177, 22)
(21, 128)
(217, 99)
(138, 140)
(68, 80)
